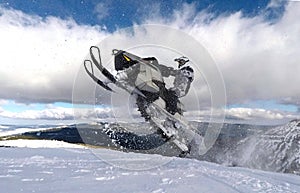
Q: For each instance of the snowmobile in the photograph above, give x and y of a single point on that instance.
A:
(144, 78)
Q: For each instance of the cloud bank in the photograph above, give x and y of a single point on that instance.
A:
(244, 115)
(259, 59)
(40, 57)
(59, 113)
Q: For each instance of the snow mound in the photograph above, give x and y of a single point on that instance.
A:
(38, 144)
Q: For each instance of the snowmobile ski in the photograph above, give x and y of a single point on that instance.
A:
(91, 74)
(99, 65)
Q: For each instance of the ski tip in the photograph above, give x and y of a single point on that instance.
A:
(94, 47)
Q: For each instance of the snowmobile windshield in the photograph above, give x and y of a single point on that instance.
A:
(122, 61)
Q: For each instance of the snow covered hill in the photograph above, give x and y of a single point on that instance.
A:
(83, 170)
(277, 149)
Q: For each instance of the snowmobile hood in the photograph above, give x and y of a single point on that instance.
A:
(124, 60)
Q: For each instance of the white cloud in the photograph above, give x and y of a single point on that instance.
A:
(40, 57)
(102, 10)
(258, 59)
(244, 115)
(93, 114)
(275, 3)
(248, 113)
(3, 102)
(59, 113)
(53, 114)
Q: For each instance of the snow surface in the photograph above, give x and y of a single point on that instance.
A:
(38, 144)
(64, 169)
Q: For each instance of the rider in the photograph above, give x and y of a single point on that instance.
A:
(183, 77)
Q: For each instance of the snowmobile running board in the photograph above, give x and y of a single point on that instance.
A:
(171, 136)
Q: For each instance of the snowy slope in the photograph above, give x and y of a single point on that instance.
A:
(80, 170)
(276, 149)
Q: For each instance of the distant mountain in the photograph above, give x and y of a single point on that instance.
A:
(276, 149)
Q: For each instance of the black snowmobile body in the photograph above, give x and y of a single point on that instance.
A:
(144, 78)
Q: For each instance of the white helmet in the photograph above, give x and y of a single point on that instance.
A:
(188, 72)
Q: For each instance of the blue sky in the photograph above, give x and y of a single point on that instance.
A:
(256, 20)
(266, 104)
(123, 13)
